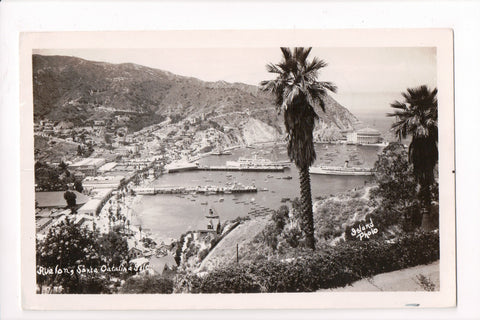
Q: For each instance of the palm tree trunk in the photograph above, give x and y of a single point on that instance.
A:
(306, 214)
(426, 204)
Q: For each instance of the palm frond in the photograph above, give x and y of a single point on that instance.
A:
(329, 86)
(287, 53)
(272, 68)
(399, 105)
(315, 65)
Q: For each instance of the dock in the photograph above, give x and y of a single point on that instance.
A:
(206, 190)
(253, 168)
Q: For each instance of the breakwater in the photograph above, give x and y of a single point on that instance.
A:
(247, 169)
(206, 190)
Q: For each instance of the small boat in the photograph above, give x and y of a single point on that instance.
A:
(204, 203)
(287, 177)
(221, 200)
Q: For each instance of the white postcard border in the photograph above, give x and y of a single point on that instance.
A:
(442, 39)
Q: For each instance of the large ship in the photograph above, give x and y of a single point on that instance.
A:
(342, 171)
(257, 163)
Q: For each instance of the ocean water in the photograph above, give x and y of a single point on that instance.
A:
(168, 216)
(371, 109)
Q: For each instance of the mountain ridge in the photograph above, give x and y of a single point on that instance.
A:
(73, 89)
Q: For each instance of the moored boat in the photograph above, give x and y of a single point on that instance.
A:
(341, 171)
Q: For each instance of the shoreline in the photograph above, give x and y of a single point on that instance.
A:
(136, 215)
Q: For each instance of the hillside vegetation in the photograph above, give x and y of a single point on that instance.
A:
(69, 88)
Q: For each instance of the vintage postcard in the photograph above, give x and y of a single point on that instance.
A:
(238, 169)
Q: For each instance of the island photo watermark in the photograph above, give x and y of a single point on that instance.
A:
(364, 231)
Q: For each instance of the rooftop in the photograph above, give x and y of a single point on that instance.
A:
(91, 205)
(107, 167)
(101, 193)
(89, 162)
(52, 199)
(103, 179)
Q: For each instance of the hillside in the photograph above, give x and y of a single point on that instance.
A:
(69, 88)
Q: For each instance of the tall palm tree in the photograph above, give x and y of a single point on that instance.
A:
(297, 90)
(418, 116)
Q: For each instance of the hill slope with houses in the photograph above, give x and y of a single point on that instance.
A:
(82, 91)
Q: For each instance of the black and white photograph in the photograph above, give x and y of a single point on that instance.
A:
(199, 170)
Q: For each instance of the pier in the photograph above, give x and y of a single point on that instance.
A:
(252, 168)
(256, 168)
(206, 190)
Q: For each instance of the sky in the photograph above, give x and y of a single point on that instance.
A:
(368, 79)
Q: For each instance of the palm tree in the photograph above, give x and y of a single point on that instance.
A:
(418, 116)
(297, 91)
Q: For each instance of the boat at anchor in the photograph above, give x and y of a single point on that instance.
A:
(342, 171)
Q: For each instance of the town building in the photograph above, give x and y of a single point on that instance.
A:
(88, 166)
(91, 208)
(103, 182)
(98, 198)
(135, 253)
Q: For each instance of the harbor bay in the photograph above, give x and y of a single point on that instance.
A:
(167, 216)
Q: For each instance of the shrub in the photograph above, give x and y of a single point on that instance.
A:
(336, 267)
(280, 216)
(178, 251)
(147, 284)
(231, 279)
(270, 236)
(202, 254)
(425, 283)
(292, 236)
